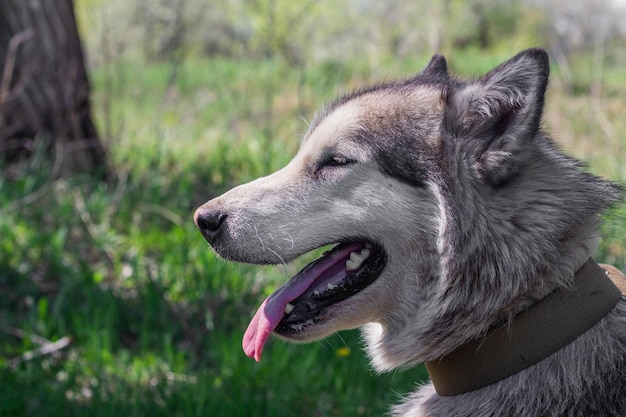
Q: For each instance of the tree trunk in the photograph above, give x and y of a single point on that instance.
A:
(44, 90)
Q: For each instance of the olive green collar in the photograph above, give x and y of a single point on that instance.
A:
(531, 336)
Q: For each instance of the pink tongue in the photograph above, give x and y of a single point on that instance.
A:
(271, 312)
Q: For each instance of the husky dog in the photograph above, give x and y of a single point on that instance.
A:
(452, 215)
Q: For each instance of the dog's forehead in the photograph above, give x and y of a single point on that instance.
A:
(336, 130)
(368, 120)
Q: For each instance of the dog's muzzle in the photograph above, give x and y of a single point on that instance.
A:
(210, 222)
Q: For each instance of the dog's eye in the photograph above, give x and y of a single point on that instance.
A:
(337, 160)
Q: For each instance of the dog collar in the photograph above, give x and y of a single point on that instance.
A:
(532, 335)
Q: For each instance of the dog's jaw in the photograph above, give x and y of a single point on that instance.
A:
(305, 300)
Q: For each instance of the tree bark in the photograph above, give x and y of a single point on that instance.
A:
(44, 89)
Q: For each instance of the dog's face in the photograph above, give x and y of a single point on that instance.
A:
(386, 176)
(341, 190)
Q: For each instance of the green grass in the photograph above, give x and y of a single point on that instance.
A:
(155, 318)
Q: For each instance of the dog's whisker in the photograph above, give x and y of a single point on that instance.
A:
(282, 261)
(289, 239)
(284, 267)
(259, 237)
(326, 344)
(305, 121)
(343, 340)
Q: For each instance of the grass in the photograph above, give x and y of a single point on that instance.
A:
(154, 317)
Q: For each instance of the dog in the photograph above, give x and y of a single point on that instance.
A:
(462, 234)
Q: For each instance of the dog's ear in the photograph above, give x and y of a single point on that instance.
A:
(437, 67)
(495, 115)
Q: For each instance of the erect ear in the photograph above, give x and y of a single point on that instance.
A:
(436, 67)
(498, 113)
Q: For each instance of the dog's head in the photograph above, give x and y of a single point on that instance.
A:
(401, 178)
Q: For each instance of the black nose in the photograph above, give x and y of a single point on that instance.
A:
(209, 221)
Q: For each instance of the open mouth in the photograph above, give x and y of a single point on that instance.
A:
(338, 274)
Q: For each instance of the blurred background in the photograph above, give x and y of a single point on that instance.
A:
(119, 117)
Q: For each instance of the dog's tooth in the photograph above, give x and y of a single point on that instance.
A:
(354, 262)
(331, 287)
(288, 308)
(356, 259)
(352, 265)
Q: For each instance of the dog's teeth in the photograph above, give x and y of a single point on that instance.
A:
(288, 308)
(356, 259)
(316, 292)
(331, 287)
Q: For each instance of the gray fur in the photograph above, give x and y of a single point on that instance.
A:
(479, 213)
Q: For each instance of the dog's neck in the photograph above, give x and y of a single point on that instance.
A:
(532, 335)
